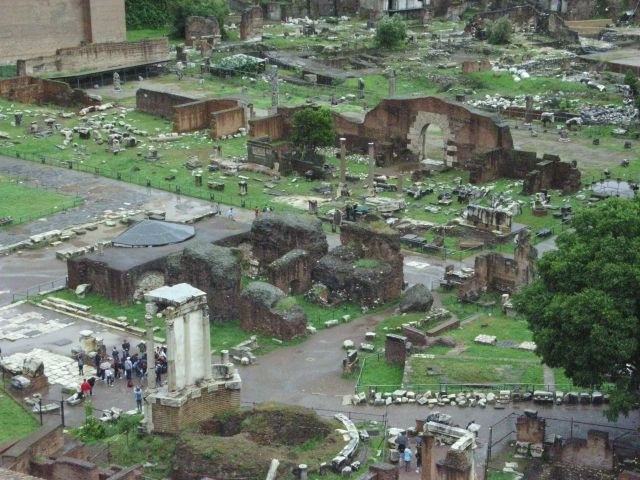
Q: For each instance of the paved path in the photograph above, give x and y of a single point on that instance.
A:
(549, 378)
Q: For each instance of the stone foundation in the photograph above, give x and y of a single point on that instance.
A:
(291, 273)
(43, 92)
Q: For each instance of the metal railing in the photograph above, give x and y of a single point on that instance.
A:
(40, 289)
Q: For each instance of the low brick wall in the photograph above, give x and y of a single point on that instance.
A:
(443, 327)
(38, 91)
(159, 103)
(99, 56)
(169, 419)
(44, 442)
(193, 116)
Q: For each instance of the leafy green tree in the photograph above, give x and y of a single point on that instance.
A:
(312, 128)
(147, 13)
(390, 32)
(499, 32)
(181, 9)
(631, 79)
(584, 308)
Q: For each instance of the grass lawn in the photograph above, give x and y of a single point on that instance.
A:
(223, 335)
(457, 370)
(15, 421)
(142, 34)
(27, 203)
(377, 372)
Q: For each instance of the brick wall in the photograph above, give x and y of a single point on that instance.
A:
(193, 116)
(44, 442)
(168, 419)
(31, 28)
(68, 468)
(271, 126)
(227, 122)
(99, 56)
(530, 429)
(38, 91)
(159, 103)
(395, 349)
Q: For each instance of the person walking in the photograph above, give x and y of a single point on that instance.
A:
(159, 374)
(96, 361)
(418, 459)
(230, 213)
(407, 456)
(128, 365)
(401, 441)
(109, 376)
(92, 383)
(125, 348)
(137, 394)
(115, 355)
(80, 364)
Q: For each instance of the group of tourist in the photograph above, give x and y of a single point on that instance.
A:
(122, 365)
(406, 454)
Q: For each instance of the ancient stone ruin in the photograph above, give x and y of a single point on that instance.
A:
(274, 235)
(366, 268)
(494, 272)
(267, 309)
(538, 174)
(195, 390)
(251, 23)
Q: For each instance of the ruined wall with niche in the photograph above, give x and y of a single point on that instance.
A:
(43, 92)
(196, 27)
(291, 273)
(31, 28)
(98, 56)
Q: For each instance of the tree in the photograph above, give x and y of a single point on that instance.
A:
(499, 32)
(312, 128)
(390, 32)
(181, 9)
(584, 307)
(631, 79)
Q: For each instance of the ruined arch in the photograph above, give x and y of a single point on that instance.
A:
(418, 134)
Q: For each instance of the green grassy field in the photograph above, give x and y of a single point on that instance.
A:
(24, 203)
(15, 421)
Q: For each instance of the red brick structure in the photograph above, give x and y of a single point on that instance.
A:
(395, 349)
(31, 28)
(398, 128)
(198, 27)
(291, 273)
(43, 92)
(472, 66)
(549, 172)
(251, 23)
(222, 116)
(266, 309)
(382, 471)
(273, 235)
(497, 273)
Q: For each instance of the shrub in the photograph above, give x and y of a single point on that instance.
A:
(147, 14)
(312, 127)
(499, 32)
(390, 32)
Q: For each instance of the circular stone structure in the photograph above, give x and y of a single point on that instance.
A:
(613, 188)
(154, 233)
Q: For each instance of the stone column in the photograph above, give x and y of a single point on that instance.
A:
(252, 112)
(274, 89)
(206, 343)
(400, 185)
(224, 356)
(392, 83)
(343, 160)
(303, 471)
(151, 350)
(171, 356)
(372, 164)
(427, 457)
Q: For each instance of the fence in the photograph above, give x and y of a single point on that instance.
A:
(166, 185)
(503, 433)
(39, 289)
